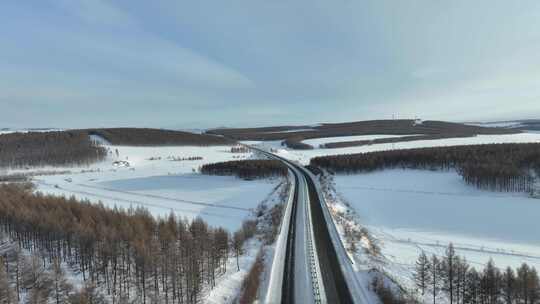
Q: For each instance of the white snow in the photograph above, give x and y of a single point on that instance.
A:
(412, 210)
(9, 131)
(220, 200)
(304, 156)
(291, 131)
(498, 124)
(228, 286)
(154, 181)
(317, 142)
(100, 140)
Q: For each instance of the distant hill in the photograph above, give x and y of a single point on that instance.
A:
(155, 137)
(293, 135)
(75, 147)
(524, 124)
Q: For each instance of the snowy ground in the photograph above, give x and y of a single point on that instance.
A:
(303, 156)
(317, 142)
(220, 200)
(229, 285)
(157, 182)
(411, 210)
(9, 131)
(151, 177)
(498, 124)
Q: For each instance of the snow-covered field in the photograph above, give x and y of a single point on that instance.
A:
(220, 200)
(9, 131)
(164, 180)
(498, 124)
(303, 156)
(157, 182)
(413, 210)
(317, 142)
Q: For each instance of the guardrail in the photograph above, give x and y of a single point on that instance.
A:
(356, 289)
(314, 268)
(275, 285)
(275, 290)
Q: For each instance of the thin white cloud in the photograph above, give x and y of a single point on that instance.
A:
(305, 60)
(97, 12)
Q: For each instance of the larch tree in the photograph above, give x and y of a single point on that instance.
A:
(449, 267)
(422, 273)
(435, 275)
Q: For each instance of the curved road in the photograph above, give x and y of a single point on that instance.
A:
(314, 266)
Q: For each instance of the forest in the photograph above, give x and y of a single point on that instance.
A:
(127, 254)
(453, 277)
(155, 137)
(19, 150)
(496, 167)
(356, 143)
(74, 147)
(366, 127)
(247, 169)
(296, 144)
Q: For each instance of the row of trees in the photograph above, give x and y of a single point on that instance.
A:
(501, 167)
(248, 169)
(18, 150)
(296, 144)
(240, 149)
(127, 253)
(453, 277)
(355, 143)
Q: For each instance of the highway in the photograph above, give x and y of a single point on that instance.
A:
(310, 263)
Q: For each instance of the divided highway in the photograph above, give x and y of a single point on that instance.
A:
(310, 262)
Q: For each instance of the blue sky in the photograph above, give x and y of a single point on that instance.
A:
(86, 63)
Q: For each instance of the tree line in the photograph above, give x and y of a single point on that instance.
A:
(240, 149)
(356, 143)
(296, 144)
(128, 254)
(498, 167)
(366, 127)
(453, 277)
(247, 169)
(19, 150)
(155, 137)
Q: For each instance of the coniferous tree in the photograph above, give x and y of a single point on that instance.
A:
(472, 287)
(422, 272)
(492, 283)
(509, 285)
(449, 266)
(489, 286)
(127, 254)
(496, 167)
(435, 276)
(61, 287)
(237, 242)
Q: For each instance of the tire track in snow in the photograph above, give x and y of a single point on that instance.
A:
(206, 204)
(432, 192)
(135, 202)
